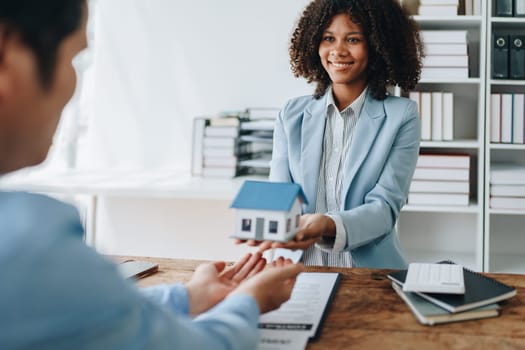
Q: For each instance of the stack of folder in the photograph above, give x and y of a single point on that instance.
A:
(480, 300)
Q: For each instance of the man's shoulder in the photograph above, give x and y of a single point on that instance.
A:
(27, 214)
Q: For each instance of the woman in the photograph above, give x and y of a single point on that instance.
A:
(351, 146)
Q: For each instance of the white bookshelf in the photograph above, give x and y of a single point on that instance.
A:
(434, 233)
(504, 239)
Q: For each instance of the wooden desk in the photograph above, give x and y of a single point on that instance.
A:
(367, 314)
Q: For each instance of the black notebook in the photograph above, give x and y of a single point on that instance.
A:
(479, 291)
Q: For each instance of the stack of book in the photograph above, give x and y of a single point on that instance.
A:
(438, 7)
(441, 179)
(507, 186)
(436, 110)
(480, 299)
(233, 145)
(507, 118)
(446, 54)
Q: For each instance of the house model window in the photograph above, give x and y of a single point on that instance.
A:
(246, 225)
(273, 226)
(266, 210)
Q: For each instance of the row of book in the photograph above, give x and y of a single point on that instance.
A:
(508, 58)
(233, 144)
(510, 8)
(436, 110)
(446, 54)
(507, 186)
(441, 179)
(449, 7)
(507, 118)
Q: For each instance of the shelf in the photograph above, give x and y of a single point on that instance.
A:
(470, 209)
(449, 21)
(511, 20)
(507, 82)
(451, 81)
(507, 146)
(121, 183)
(506, 212)
(450, 144)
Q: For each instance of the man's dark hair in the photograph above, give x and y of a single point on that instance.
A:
(42, 26)
(394, 46)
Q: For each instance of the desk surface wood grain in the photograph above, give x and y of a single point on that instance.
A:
(367, 314)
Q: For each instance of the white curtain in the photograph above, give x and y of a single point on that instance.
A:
(157, 64)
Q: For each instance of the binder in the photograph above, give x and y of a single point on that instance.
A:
(517, 57)
(504, 8)
(500, 56)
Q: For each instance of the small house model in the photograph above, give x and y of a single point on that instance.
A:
(268, 211)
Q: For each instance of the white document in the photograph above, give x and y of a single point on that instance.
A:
(276, 340)
(303, 313)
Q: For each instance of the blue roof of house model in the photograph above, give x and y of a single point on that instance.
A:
(278, 196)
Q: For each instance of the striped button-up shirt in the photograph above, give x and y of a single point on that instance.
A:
(338, 134)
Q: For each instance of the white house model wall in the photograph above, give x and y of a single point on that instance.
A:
(268, 224)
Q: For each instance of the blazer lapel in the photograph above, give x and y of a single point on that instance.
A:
(312, 134)
(366, 129)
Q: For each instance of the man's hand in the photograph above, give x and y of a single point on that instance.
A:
(212, 282)
(273, 286)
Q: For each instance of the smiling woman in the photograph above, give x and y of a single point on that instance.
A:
(351, 146)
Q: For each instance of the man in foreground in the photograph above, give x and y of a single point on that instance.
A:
(56, 292)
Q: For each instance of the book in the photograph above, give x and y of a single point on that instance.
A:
(315, 289)
(438, 10)
(444, 36)
(426, 116)
(429, 314)
(460, 161)
(480, 291)
(518, 115)
(495, 118)
(506, 118)
(445, 61)
(439, 186)
(423, 198)
(444, 72)
(507, 190)
(199, 124)
(507, 174)
(448, 116)
(439, 2)
(504, 8)
(221, 131)
(519, 8)
(437, 49)
(437, 116)
(441, 174)
(512, 203)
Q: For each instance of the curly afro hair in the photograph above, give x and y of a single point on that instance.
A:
(394, 45)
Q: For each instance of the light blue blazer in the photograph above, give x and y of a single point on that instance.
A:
(377, 172)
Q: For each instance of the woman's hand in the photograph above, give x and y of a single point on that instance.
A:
(312, 227)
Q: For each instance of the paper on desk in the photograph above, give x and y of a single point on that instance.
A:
(303, 313)
(285, 340)
(294, 255)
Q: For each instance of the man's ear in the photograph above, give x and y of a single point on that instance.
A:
(4, 38)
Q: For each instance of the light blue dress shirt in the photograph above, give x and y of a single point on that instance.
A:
(57, 293)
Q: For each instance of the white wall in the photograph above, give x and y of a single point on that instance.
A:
(159, 63)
